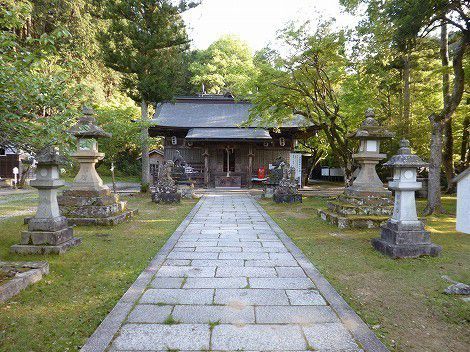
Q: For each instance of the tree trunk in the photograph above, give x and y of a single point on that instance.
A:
(465, 147)
(406, 96)
(451, 102)
(448, 152)
(448, 156)
(434, 181)
(340, 150)
(145, 147)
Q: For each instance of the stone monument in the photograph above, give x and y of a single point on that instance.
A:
(179, 174)
(286, 191)
(404, 236)
(88, 201)
(166, 190)
(366, 203)
(48, 231)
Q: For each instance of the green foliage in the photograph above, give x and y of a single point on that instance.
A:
(308, 81)
(123, 148)
(225, 66)
(39, 94)
(145, 42)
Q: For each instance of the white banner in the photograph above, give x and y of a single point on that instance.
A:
(296, 163)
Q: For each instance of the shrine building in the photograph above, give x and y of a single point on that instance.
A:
(214, 136)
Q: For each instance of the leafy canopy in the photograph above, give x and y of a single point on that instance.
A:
(225, 66)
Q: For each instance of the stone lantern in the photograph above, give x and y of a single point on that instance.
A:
(48, 231)
(370, 134)
(88, 201)
(86, 131)
(404, 236)
(366, 203)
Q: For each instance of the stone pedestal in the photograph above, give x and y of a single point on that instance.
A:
(366, 203)
(186, 189)
(404, 236)
(286, 191)
(166, 190)
(401, 240)
(48, 231)
(94, 207)
(89, 201)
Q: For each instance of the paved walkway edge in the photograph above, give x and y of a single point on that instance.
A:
(105, 332)
(348, 316)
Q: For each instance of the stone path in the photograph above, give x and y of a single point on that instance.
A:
(229, 279)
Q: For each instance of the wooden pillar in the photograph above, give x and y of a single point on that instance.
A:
(250, 165)
(206, 167)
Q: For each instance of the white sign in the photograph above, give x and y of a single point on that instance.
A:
(16, 171)
(296, 163)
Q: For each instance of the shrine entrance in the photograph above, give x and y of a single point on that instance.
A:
(229, 177)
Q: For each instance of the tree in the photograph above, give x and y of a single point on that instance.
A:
(40, 96)
(308, 82)
(123, 149)
(414, 18)
(225, 66)
(145, 41)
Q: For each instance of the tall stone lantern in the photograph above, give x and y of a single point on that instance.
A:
(48, 231)
(366, 203)
(370, 134)
(88, 201)
(87, 132)
(404, 236)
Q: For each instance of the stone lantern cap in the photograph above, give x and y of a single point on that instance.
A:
(370, 128)
(86, 126)
(49, 155)
(404, 158)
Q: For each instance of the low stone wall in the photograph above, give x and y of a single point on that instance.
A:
(28, 273)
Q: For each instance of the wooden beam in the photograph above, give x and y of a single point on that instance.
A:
(206, 167)
(250, 165)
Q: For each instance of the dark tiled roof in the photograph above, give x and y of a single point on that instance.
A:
(228, 133)
(210, 111)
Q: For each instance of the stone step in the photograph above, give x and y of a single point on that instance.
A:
(370, 201)
(342, 208)
(353, 221)
(105, 221)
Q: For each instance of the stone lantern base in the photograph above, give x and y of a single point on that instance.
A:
(46, 236)
(166, 197)
(398, 240)
(358, 211)
(93, 207)
(287, 198)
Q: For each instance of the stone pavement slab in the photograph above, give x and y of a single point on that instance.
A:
(229, 279)
(258, 337)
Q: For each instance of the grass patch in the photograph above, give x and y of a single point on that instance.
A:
(60, 312)
(213, 324)
(170, 320)
(402, 299)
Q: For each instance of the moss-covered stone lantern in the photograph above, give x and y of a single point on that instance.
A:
(87, 132)
(370, 134)
(88, 201)
(366, 203)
